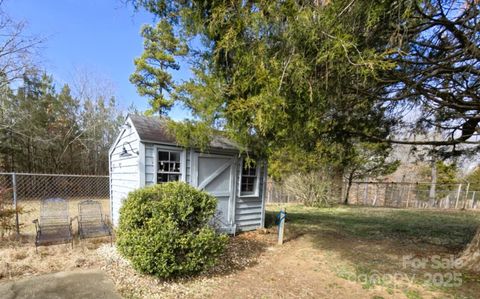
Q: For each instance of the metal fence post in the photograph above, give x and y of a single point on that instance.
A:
(376, 194)
(458, 195)
(466, 196)
(408, 195)
(14, 187)
(474, 202)
(365, 198)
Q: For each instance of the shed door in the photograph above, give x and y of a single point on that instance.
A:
(216, 174)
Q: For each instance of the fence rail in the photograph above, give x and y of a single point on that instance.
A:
(26, 190)
(276, 193)
(414, 195)
(396, 194)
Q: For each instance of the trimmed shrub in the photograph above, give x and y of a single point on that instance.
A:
(164, 230)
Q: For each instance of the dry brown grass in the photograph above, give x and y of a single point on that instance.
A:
(19, 259)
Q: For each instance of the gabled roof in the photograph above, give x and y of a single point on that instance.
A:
(154, 129)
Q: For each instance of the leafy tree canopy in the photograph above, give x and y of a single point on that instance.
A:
(317, 77)
(474, 179)
(276, 76)
(447, 174)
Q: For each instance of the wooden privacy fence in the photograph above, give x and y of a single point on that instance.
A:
(395, 194)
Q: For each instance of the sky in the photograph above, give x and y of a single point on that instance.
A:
(99, 36)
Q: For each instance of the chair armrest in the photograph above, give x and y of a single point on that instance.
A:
(37, 225)
(106, 220)
(71, 221)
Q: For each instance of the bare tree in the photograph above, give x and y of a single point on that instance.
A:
(89, 84)
(99, 116)
(18, 49)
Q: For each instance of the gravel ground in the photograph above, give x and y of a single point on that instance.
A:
(243, 251)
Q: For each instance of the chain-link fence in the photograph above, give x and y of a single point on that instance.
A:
(26, 190)
(276, 193)
(396, 194)
(415, 195)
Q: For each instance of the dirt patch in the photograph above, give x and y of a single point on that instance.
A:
(294, 270)
(252, 267)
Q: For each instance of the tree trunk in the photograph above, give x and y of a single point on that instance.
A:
(471, 255)
(349, 185)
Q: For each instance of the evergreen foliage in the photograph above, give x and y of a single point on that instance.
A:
(278, 77)
(164, 230)
(48, 131)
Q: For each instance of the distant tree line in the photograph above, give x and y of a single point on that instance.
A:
(44, 128)
(48, 130)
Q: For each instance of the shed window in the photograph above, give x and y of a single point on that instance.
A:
(249, 179)
(168, 166)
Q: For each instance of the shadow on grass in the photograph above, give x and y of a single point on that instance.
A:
(367, 241)
(451, 230)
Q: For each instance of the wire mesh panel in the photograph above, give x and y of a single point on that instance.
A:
(5, 181)
(396, 195)
(31, 189)
(414, 195)
(8, 223)
(276, 193)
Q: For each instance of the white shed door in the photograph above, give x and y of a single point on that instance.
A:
(215, 174)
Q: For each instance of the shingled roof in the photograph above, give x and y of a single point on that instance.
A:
(154, 129)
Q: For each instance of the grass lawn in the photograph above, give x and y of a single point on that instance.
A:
(340, 252)
(366, 245)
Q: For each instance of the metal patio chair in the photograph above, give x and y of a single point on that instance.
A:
(91, 222)
(54, 225)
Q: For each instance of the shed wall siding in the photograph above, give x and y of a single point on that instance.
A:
(129, 173)
(124, 171)
(248, 209)
(149, 164)
(188, 166)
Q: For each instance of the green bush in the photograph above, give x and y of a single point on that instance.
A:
(164, 230)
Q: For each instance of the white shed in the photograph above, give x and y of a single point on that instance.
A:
(145, 154)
